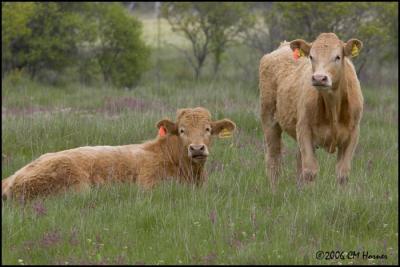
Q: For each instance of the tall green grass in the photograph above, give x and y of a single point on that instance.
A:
(234, 219)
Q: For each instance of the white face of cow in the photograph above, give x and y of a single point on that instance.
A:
(326, 55)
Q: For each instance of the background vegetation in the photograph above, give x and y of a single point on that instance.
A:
(89, 42)
(76, 74)
(89, 38)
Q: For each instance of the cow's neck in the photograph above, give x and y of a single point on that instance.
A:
(332, 101)
(176, 156)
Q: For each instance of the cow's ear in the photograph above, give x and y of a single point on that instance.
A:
(168, 126)
(223, 127)
(352, 47)
(303, 46)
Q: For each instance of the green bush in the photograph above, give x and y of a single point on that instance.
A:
(14, 27)
(121, 54)
(91, 38)
(50, 40)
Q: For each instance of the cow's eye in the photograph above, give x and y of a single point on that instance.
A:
(337, 58)
(311, 57)
(208, 129)
(181, 131)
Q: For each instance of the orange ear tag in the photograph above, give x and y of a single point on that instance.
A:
(296, 53)
(162, 131)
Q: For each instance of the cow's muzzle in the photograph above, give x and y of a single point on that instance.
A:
(321, 81)
(198, 152)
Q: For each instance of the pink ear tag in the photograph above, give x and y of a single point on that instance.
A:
(162, 131)
(296, 53)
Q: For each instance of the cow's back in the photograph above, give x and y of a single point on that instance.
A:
(104, 163)
(53, 172)
(281, 80)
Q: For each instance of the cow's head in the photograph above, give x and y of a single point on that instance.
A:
(327, 55)
(195, 128)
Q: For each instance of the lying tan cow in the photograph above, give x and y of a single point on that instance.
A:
(180, 151)
(311, 91)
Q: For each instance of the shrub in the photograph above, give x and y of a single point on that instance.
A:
(92, 38)
(121, 54)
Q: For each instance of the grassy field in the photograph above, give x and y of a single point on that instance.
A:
(234, 219)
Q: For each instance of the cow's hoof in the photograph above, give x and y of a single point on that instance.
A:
(309, 175)
(343, 180)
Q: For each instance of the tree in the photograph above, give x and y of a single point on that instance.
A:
(377, 28)
(228, 20)
(42, 36)
(193, 25)
(56, 35)
(54, 39)
(267, 32)
(210, 28)
(14, 19)
(121, 53)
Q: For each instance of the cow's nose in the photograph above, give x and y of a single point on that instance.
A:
(197, 148)
(319, 79)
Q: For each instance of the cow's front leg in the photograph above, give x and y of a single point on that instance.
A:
(299, 168)
(344, 157)
(273, 143)
(309, 164)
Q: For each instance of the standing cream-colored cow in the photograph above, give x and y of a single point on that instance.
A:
(311, 91)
